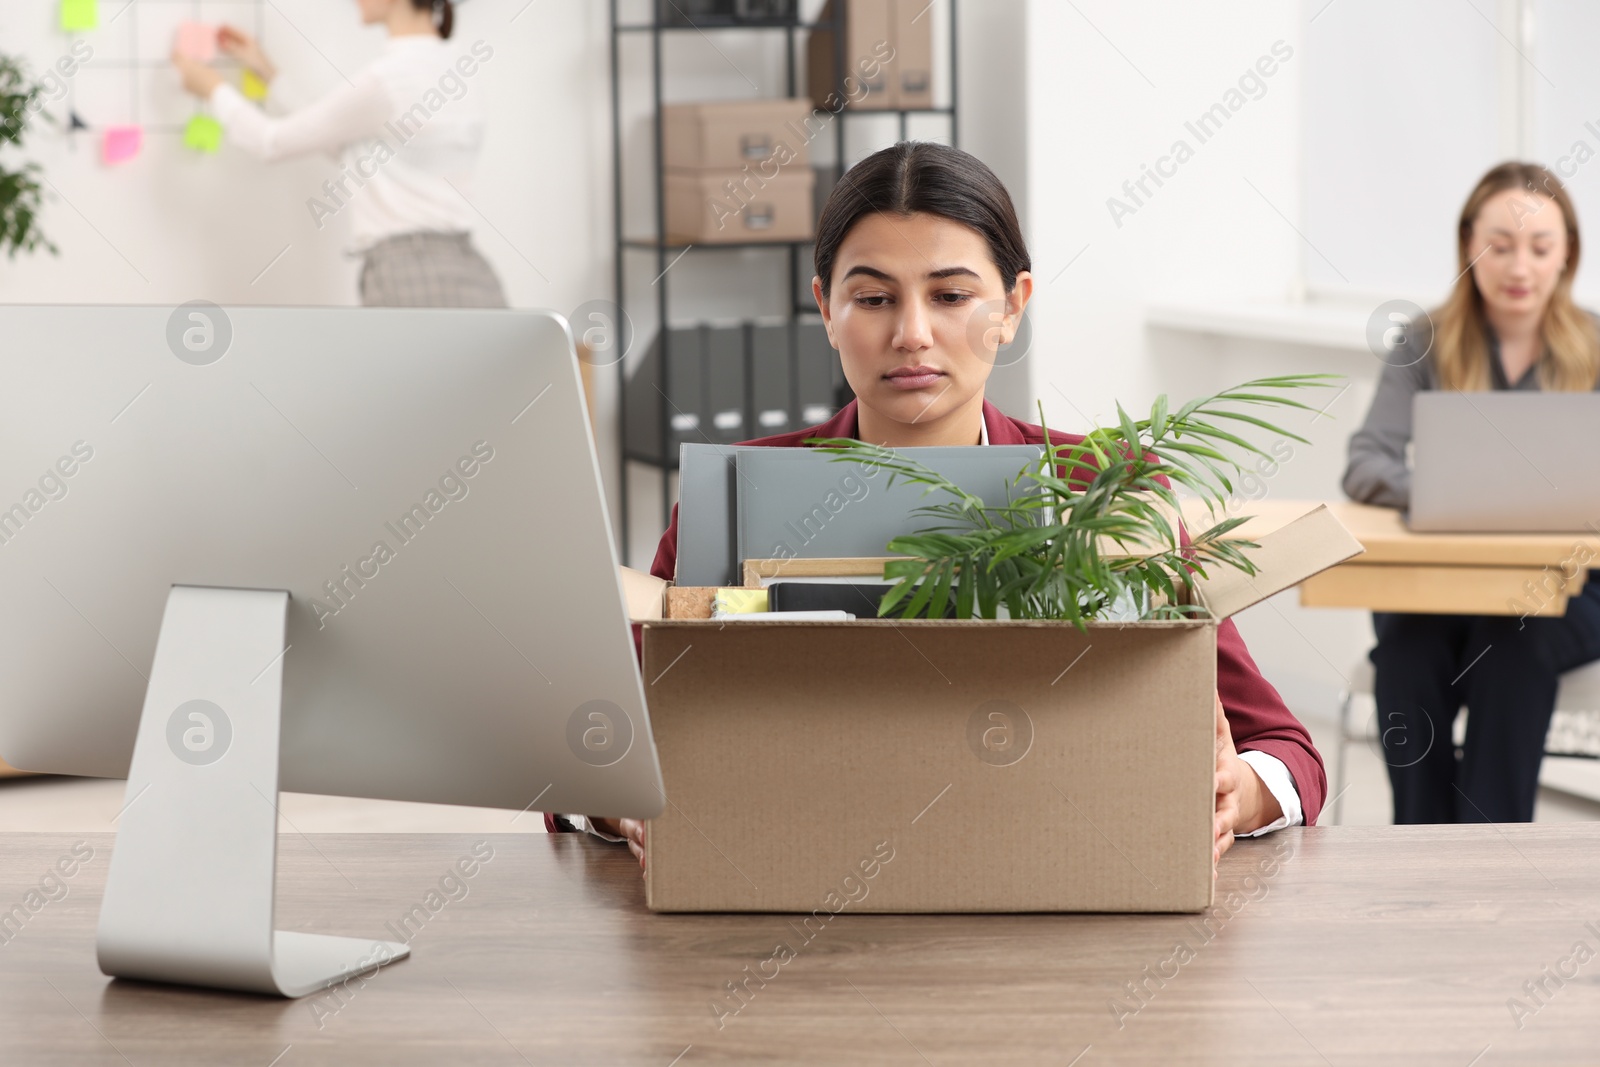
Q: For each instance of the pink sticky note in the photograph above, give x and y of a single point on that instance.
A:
(197, 40)
(121, 143)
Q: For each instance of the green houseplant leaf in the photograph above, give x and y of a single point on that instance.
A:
(1091, 529)
(21, 193)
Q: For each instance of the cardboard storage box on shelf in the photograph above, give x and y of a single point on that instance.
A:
(729, 135)
(708, 207)
(738, 170)
(947, 766)
(911, 70)
(888, 56)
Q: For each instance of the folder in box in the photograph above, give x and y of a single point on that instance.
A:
(706, 489)
(799, 503)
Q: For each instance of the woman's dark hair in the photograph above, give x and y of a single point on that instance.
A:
(444, 14)
(926, 177)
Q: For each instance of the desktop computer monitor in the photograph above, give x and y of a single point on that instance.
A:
(350, 551)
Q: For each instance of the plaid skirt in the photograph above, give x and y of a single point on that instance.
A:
(435, 270)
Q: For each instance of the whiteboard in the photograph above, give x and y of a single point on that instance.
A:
(128, 79)
(174, 225)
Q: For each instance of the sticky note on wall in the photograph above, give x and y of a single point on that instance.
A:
(121, 143)
(252, 86)
(203, 134)
(77, 15)
(197, 40)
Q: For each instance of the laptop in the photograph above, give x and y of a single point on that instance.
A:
(1505, 462)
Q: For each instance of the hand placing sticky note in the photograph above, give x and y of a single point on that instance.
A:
(78, 15)
(203, 134)
(121, 143)
(197, 41)
(253, 87)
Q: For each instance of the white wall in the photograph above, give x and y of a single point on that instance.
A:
(1108, 96)
(1390, 228)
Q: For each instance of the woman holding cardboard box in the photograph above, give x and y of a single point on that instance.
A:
(1510, 323)
(914, 244)
(406, 131)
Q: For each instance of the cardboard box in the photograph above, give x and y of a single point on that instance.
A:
(888, 56)
(730, 206)
(868, 34)
(969, 766)
(734, 134)
(911, 71)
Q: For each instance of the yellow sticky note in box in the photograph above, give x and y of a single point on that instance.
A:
(252, 86)
(79, 15)
(203, 134)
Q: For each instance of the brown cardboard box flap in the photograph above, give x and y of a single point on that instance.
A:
(1288, 556)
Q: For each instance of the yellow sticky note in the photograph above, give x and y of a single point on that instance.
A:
(738, 602)
(203, 134)
(253, 87)
(79, 15)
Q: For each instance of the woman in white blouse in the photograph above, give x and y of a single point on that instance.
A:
(407, 132)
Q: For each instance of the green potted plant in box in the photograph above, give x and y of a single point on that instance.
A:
(1092, 532)
(20, 192)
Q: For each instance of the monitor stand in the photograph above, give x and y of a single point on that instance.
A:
(189, 895)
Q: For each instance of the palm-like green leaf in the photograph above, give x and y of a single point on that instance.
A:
(1090, 527)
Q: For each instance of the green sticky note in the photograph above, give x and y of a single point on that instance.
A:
(79, 15)
(203, 134)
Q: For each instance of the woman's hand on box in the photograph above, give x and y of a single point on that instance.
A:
(630, 830)
(1244, 803)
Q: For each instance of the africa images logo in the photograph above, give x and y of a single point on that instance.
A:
(199, 732)
(199, 332)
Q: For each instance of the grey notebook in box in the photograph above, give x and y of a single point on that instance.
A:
(799, 503)
(706, 480)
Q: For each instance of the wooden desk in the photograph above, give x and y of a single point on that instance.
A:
(1342, 945)
(1469, 574)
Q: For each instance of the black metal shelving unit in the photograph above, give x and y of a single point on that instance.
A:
(663, 249)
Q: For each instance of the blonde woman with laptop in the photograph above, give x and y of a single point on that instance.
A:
(1509, 323)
